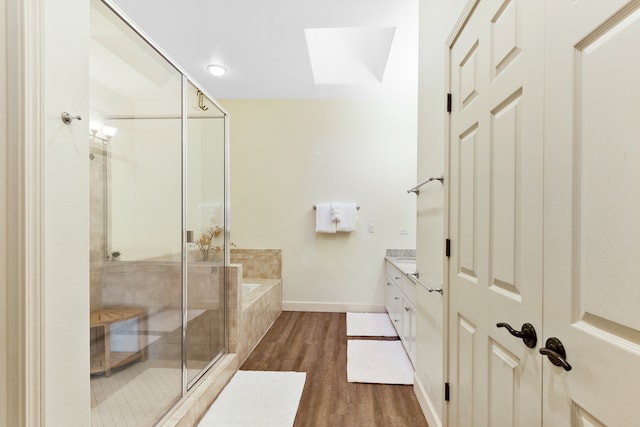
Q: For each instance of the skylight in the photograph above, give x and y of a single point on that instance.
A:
(356, 55)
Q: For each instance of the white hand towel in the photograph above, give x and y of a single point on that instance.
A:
(348, 217)
(324, 224)
(336, 212)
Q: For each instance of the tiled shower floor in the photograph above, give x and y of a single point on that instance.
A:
(136, 395)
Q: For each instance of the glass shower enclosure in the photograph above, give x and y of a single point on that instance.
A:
(158, 226)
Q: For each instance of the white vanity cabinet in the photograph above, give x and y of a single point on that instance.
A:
(395, 303)
(401, 306)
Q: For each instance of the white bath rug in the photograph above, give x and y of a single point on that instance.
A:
(257, 398)
(370, 325)
(379, 362)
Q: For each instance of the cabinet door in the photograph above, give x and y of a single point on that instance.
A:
(406, 324)
(394, 306)
(409, 330)
(388, 295)
(413, 335)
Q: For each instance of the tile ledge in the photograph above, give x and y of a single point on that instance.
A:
(189, 410)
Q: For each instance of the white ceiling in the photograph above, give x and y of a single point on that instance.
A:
(263, 45)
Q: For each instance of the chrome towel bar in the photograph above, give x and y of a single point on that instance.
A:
(415, 189)
(415, 276)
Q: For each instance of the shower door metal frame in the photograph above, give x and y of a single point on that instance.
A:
(185, 79)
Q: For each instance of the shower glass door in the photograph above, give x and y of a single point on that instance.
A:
(136, 221)
(158, 226)
(205, 231)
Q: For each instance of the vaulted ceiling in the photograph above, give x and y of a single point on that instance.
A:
(289, 48)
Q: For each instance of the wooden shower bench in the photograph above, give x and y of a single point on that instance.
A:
(103, 359)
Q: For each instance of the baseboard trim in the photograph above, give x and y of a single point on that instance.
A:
(332, 307)
(428, 409)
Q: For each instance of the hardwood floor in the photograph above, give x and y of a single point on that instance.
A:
(316, 343)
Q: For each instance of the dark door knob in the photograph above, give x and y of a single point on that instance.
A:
(528, 333)
(554, 350)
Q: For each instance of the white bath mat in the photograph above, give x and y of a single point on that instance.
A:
(257, 398)
(370, 325)
(380, 362)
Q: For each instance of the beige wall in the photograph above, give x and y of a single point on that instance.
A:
(47, 252)
(287, 155)
(437, 18)
(66, 214)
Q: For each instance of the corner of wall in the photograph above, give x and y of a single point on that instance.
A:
(436, 19)
(427, 406)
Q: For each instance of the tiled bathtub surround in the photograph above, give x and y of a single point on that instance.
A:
(261, 263)
(260, 309)
(251, 315)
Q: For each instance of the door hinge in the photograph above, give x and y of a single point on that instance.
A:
(448, 103)
(447, 247)
(446, 392)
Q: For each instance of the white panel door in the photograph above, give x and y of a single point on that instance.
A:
(592, 211)
(495, 213)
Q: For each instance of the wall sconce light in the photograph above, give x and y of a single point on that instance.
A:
(106, 133)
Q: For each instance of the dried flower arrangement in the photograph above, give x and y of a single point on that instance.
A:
(206, 242)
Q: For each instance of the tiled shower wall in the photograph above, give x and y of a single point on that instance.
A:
(97, 223)
(156, 286)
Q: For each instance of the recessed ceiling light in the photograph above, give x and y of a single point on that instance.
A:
(216, 70)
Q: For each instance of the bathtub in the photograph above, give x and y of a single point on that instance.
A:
(247, 288)
(261, 304)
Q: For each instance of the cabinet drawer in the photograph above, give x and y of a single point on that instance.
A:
(389, 294)
(408, 287)
(404, 283)
(396, 299)
(392, 272)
